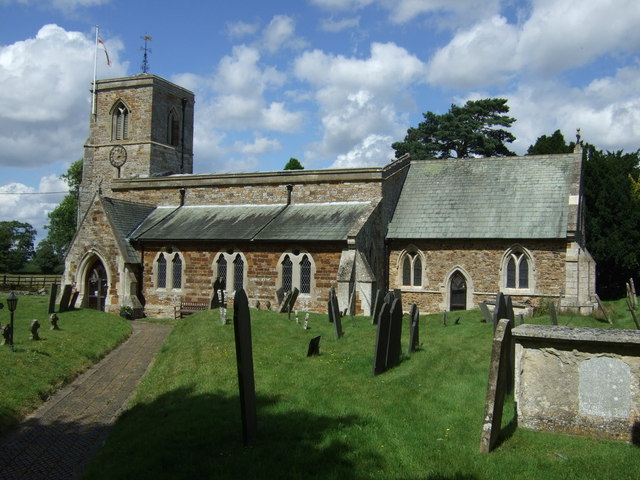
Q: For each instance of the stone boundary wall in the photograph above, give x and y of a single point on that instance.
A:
(583, 381)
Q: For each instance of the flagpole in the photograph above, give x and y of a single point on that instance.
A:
(95, 70)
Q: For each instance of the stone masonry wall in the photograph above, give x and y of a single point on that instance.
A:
(480, 260)
(261, 277)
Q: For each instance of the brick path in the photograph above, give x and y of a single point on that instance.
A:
(58, 440)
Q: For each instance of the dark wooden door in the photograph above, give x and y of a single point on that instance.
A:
(458, 292)
(97, 286)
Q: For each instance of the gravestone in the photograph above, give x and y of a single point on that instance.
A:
(268, 305)
(280, 295)
(6, 334)
(292, 299)
(217, 299)
(285, 302)
(388, 298)
(487, 317)
(305, 326)
(74, 299)
(377, 306)
(314, 347)
(66, 296)
(497, 386)
(414, 333)
(52, 298)
(382, 340)
(53, 318)
(552, 313)
(395, 334)
(244, 359)
(35, 325)
(604, 310)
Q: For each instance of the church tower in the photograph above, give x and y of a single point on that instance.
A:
(142, 126)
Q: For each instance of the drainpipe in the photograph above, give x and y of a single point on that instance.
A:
(183, 192)
(289, 190)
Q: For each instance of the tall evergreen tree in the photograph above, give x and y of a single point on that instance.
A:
(467, 131)
(546, 145)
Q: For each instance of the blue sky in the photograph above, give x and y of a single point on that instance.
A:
(330, 82)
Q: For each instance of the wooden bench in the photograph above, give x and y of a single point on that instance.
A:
(187, 308)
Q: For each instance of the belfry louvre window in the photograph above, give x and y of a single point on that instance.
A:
(412, 270)
(120, 128)
(173, 129)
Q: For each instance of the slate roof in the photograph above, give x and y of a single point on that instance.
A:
(124, 217)
(525, 197)
(298, 222)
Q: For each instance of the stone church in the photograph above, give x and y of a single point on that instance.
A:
(447, 233)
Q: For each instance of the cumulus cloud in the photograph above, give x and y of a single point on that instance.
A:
(337, 25)
(557, 36)
(240, 29)
(281, 33)
(359, 100)
(44, 99)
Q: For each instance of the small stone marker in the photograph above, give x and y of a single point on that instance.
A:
(268, 305)
(486, 314)
(338, 324)
(35, 325)
(552, 313)
(382, 340)
(223, 315)
(314, 347)
(496, 388)
(6, 334)
(53, 318)
(244, 359)
(52, 298)
(414, 332)
(66, 296)
(297, 319)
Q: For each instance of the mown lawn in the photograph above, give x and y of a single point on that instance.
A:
(327, 417)
(36, 369)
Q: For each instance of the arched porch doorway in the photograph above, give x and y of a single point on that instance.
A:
(96, 286)
(458, 292)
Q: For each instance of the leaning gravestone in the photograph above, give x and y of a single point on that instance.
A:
(395, 334)
(486, 314)
(497, 386)
(382, 340)
(377, 306)
(66, 296)
(280, 295)
(314, 347)
(500, 309)
(292, 300)
(244, 359)
(52, 298)
(74, 299)
(338, 324)
(414, 335)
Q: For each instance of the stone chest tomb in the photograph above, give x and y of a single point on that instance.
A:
(583, 381)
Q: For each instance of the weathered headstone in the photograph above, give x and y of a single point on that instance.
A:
(268, 305)
(509, 307)
(500, 309)
(486, 314)
(284, 305)
(337, 321)
(217, 299)
(292, 299)
(35, 325)
(552, 313)
(496, 388)
(382, 340)
(314, 346)
(74, 299)
(414, 332)
(223, 315)
(66, 296)
(53, 318)
(6, 334)
(52, 298)
(377, 306)
(395, 334)
(244, 359)
(604, 310)
(280, 294)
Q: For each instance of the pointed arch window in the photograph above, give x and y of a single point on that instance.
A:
(230, 268)
(411, 269)
(517, 270)
(238, 273)
(305, 275)
(296, 269)
(287, 274)
(169, 270)
(120, 126)
(222, 270)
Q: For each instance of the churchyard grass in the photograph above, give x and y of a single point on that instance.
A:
(37, 368)
(327, 417)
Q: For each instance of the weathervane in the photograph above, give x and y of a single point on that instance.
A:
(147, 51)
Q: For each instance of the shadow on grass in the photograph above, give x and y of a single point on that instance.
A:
(184, 434)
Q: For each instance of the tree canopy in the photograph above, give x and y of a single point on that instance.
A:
(467, 131)
(546, 145)
(293, 164)
(16, 245)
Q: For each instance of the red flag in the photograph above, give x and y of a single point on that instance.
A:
(101, 43)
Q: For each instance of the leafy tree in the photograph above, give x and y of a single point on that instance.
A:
(62, 225)
(612, 218)
(551, 144)
(16, 245)
(466, 131)
(293, 164)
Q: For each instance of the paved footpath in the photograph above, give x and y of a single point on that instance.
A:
(58, 440)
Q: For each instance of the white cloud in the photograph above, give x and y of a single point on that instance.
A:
(557, 36)
(281, 33)
(332, 25)
(373, 150)
(44, 100)
(27, 204)
(237, 30)
(259, 146)
(359, 100)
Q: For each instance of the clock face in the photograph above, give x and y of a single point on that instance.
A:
(118, 156)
